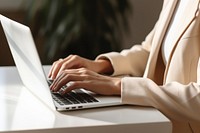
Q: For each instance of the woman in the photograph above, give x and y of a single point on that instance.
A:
(163, 69)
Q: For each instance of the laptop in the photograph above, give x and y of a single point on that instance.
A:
(31, 72)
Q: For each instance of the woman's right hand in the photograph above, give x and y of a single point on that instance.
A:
(102, 66)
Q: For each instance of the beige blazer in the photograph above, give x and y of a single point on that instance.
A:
(173, 88)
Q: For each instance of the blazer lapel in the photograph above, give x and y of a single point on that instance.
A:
(186, 19)
(161, 28)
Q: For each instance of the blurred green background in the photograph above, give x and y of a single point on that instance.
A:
(83, 27)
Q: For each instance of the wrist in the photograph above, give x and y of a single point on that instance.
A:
(104, 66)
(118, 86)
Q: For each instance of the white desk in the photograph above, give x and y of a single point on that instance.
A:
(21, 112)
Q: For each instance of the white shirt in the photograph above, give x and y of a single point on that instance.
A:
(167, 45)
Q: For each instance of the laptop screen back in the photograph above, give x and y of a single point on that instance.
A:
(26, 58)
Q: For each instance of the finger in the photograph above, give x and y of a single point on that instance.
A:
(70, 86)
(74, 62)
(51, 70)
(71, 75)
(56, 81)
(86, 84)
(68, 63)
(64, 79)
(64, 82)
(55, 68)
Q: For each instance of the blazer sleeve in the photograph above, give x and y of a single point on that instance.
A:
(175, 100)
(130, 61)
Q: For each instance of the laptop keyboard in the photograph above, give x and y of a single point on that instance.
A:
(74, 97)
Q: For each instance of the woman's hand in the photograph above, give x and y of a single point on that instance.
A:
(87, 79)
(74, 62)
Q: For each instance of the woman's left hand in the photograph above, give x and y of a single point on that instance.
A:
(87, 79)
